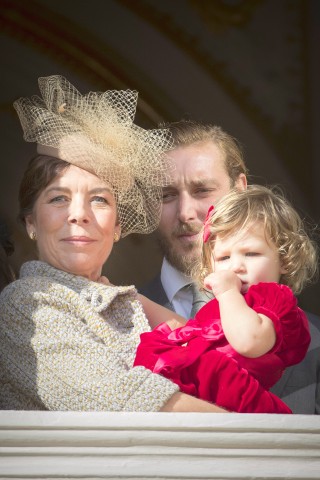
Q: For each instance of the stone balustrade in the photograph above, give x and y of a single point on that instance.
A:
(96, 445)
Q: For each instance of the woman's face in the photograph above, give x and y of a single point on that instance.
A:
(75, 219)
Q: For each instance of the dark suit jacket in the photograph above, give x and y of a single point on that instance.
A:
(154, 290)
(299, 386)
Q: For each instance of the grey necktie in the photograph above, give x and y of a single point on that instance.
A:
(199, 298)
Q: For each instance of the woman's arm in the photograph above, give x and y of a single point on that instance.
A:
(80, 377)
(157, 314)
(69, 357)
(249, 333)
(180, 402)
(62, 366)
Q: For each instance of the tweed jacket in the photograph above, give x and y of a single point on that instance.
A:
(68, 343)
(299, 386)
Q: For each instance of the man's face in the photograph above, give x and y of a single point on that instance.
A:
(199, 179)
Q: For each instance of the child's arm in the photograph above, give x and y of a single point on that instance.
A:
(249, 333)
(157, 314)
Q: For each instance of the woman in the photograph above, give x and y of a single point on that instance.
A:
(67, 341)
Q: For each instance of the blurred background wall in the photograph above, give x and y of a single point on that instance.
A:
(251, 66)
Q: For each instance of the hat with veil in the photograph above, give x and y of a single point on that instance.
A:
(96, 132)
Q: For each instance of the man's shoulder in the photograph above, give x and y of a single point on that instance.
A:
(314, 319)
(299, 385)
(314, 325)
(155, 291)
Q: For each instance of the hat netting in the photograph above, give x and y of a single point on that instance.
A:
(96, 132)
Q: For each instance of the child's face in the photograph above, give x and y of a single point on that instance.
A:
(249, 256)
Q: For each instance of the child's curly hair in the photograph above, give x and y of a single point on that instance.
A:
(283, 227)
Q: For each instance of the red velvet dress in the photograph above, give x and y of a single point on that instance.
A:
(200, 360)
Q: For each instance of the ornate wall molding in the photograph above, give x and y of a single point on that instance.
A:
(268, 41)
(56, 36)
(233, 43)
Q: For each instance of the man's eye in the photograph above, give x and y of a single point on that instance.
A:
(204, 191)
(167, 196)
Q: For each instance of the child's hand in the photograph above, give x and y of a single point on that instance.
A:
(221, 282)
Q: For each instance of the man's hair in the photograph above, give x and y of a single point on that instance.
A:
(188, 132)
(283, 227)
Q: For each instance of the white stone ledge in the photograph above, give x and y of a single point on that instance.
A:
(95, 445)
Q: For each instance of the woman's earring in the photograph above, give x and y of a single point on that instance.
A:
(116, 237)
(33, 236)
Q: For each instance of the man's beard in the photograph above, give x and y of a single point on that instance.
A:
(184, 262)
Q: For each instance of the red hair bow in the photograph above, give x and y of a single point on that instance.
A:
(206, 225)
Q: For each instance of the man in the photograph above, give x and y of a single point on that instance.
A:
(208, 162)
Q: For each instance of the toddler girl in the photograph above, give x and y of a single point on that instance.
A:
(256, 255)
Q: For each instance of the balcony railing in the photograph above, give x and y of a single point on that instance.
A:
(95, 445)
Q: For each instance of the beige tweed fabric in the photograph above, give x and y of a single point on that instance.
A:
(68, 344)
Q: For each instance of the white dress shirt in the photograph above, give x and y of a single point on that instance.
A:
(173, 283)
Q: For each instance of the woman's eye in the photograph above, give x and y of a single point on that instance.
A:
(58, 199)
(99, 199)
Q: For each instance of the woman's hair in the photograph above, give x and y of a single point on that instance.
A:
(6, 248)
(188, 132)
(40, 172)
(282, 225)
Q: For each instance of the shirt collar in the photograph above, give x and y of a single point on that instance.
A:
(172, 280)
